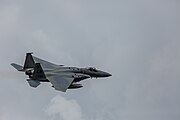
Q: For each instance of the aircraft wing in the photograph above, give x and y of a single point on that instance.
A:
(45, 64)
(60, 82)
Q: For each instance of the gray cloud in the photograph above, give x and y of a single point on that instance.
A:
(135, 40)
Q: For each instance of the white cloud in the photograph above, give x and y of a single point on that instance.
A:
(65, 109)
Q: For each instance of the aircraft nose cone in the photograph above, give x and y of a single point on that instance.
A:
(108, 75)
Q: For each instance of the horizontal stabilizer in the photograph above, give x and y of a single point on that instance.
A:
(18, 67)
(33, 83)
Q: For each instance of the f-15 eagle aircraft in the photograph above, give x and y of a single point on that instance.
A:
(60, 76)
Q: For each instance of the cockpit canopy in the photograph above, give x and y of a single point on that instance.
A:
(92, 69)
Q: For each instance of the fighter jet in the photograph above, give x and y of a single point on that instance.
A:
(61, 77)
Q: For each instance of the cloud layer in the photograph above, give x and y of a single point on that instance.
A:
(135, 40)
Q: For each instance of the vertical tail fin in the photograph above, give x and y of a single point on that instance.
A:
(29, 61)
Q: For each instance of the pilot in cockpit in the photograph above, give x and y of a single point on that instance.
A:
(92, 69)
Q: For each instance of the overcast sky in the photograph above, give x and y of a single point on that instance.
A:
(137, 41)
